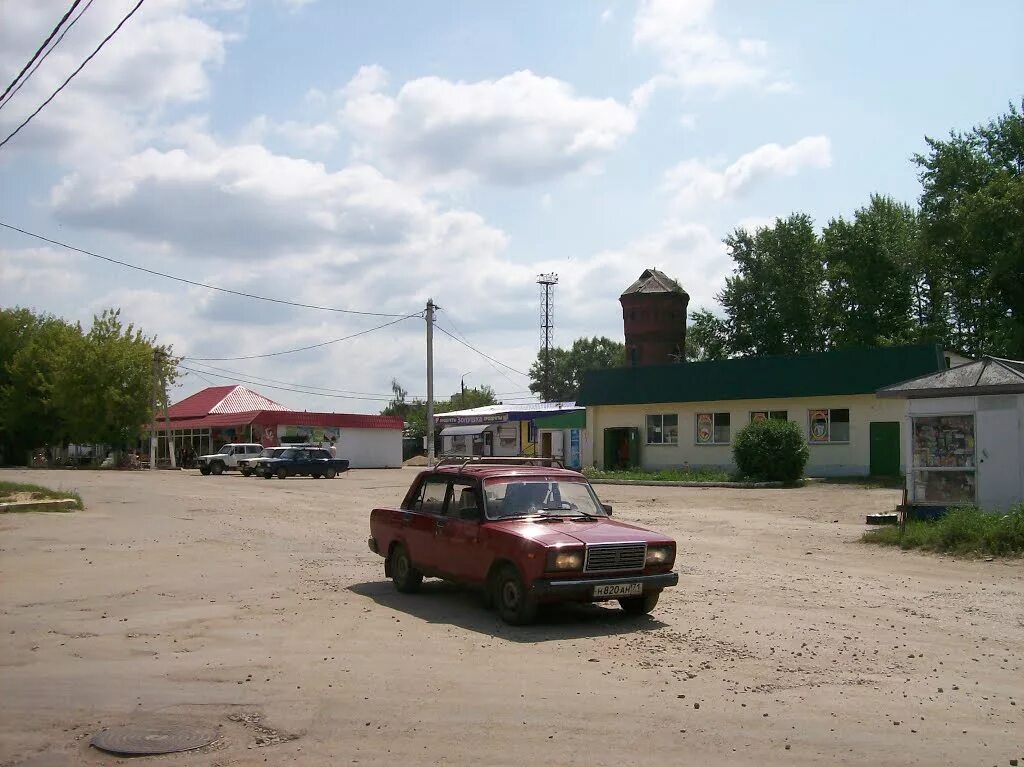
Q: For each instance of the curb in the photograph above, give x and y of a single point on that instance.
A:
(63, 503)
(672, 483)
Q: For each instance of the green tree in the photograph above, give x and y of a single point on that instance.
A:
(706, 337)
(569, 365)
(414, 412)
(775, 300)
(972, 205)
(871, 265)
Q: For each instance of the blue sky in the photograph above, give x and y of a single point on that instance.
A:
(369, 155)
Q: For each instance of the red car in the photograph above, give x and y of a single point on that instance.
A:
(525, 535)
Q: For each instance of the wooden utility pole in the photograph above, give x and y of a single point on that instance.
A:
(167, 417)
(153, 420)
(430, 381)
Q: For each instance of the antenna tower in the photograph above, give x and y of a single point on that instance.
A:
(547, 284)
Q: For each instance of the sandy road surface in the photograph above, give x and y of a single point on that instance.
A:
(207, 598)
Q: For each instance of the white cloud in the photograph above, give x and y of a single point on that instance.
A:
(310, 137)
(607, 14)
(515, 130)
(34, 271)
(753, 223)
(693, 53)
(688, 121)
(371, 78)
(692, 182)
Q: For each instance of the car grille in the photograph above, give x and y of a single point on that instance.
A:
(615, 556)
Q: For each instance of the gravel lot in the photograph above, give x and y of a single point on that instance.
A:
(255, 606)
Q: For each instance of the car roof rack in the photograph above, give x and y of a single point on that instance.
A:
(462, 461)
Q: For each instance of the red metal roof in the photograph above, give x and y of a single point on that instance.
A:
(242, 400)
(350, 420)
(200, 403)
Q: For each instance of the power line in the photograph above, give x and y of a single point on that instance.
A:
(485, 356)
(50, 50)
(72, 75)
(301, 348)
(489, 361)
(304, 386)
(200, 284)
(240, 379)
(40, 49)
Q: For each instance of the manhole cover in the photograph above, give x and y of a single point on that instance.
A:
(153, 738)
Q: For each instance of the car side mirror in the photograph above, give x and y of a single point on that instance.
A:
(607, 508)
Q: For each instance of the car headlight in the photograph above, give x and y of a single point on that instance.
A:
(660, 555)
(565, 559)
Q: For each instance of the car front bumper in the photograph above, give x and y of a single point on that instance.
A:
(372, 544)
(583, 588)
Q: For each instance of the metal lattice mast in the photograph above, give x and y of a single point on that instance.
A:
(547, 284)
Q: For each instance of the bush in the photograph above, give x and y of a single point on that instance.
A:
(966, 530)
(772, 450)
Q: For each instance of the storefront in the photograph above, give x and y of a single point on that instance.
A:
(502, 430)
(965, 435)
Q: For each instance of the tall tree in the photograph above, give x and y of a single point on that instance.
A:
(569, 365)
(775, 300)
(414, 412)
(871, 263)
(972, 204)
(707, 337)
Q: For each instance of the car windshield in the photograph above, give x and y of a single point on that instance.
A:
(289, 454)
(267, 453)
(225, 450)
(527, 496)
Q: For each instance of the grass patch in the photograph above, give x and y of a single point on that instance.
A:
(665, 475)
(19, 491)
(895, 482)
(965, 531)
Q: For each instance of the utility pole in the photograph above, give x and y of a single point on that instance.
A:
(430, 381)
(153, 420)
(167, 417)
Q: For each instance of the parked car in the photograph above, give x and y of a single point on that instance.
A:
(250, 466)
(525, 535)
(227, 457)
(313, 462)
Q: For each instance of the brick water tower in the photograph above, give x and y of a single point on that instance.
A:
(654, 320)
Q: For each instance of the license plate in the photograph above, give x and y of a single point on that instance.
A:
(619, 590)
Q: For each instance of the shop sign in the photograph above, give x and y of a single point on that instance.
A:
(819, 426)
(705, 427)
(470, 420)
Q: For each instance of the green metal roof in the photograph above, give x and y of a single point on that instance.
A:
(576, 419)
(848, 371)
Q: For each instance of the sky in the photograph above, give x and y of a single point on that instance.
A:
(369, 156)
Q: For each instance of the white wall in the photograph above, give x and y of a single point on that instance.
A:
(851, 458)
(371, 448)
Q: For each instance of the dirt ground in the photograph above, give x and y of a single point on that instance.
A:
(254, 606)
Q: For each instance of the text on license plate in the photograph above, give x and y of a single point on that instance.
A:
(619, 590)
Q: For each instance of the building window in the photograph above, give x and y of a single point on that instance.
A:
(713, 428)
(663, 429)
(828, 426)
(769, 415)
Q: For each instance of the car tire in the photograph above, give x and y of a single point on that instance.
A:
(515, 604)
(331, 473)
(267, 475)
(282, 473)
(407, 579)
(204, 470)
(217, 468)
(640, 605)
(246, 472)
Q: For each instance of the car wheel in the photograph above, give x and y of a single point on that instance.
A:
(331, 473)
(407, 578)
(282, 473)
(246, 472)
(217, 467)
(514, 602)
(316, 476)
(267, 475)
(204, 470)
(640, 605)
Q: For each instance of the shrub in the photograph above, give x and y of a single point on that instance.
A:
(965, 530)
(772, 450)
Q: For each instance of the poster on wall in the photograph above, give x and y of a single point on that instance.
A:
(315, 435)
(574, 449)
(819, 426)
(758, 416)
(705, 428)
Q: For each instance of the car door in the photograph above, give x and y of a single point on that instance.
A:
(459, 547)
(419, 523)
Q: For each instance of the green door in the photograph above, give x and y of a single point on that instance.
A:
(885, 448)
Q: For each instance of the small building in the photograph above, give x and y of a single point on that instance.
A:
(654, 319)
(218, 415)
(964, 433)
(678, 415)
(543, 429)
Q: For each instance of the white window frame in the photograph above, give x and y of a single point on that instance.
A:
(648, 430)
(849, 426)
(714, 428)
